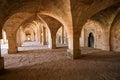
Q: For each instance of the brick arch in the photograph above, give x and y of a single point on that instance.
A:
(37, 6)
(106, 16)
(11, 26)
(14, 22)
(82, 10)
(115, 34)
(51, 22)
(54, 8)
(53, 25)
(98, 32)
(30, 23)
(58, 35)
(101, 23)
(31, 31)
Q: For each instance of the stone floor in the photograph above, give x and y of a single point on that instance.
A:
(41, 63)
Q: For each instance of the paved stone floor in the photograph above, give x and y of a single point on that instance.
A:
(45, 64)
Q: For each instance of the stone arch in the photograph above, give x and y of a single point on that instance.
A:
(37, 6)
(53, 25)
(29, 6)
(62, 13)
(80, 12)
(95, 28)
(30, 34)
(101, 23)
(59, 36)
(31, 26)
(91, 28)
(115, 34)
(79, 15)
(11, 26)
(14, 22)
(44, 26)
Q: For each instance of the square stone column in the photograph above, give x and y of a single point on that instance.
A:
(19, 44)
(52, 44)
(1, 61)
(62, 41)
(1, 64)
(73, 51)
(52, 40)
(12, 45)
(40, 30)
(44, 37)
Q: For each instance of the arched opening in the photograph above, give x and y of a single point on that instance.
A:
(59, 36)
(28, 36)
(91, 40)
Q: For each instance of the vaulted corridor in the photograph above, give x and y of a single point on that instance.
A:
(59, 39)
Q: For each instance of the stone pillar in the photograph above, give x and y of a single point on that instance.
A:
(12, 45)
(40, 35)
(73, 47)
(1, 58)
(19, 38)
(23, 36)
(44, 37)
(3, 40)
(52, 44)
(107, 41)
(0, 46)
(65, 39)
(4, 37)
(47, 37)
(85, 38)
(62, 41)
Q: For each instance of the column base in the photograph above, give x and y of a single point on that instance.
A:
(74, 54)
(44, 43)
(52, 47)
(1, 64)
(19, 45)
(12, 51)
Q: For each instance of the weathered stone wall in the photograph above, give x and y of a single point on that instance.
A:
(100, 25)
(115, 34)
(99, 38)
(115, 39)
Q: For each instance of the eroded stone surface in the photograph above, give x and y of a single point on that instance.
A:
(46, 64)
